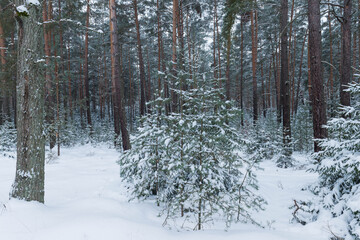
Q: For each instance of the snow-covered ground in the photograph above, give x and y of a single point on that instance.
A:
(85, 199)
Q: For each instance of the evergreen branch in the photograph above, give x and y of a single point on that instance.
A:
(332, 4)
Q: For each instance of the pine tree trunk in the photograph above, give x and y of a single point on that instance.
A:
(175, 16)
(148, 83)
(4, 94)
(254, 63)
(242, 71)
(316, 75)
(69, 84)
(300, 74)
(228, 49)
(29, 179)
(285, 83)
(214, 45)
(218, 42)
(141, 63)
(331, 77)
(49, 117)
(263, 96)
(119, 113)
(56, 73)
(189, 44)
(86, 66)
(277, 92)
(346, 55)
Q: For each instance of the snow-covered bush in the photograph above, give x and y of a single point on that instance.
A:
(339, 166)
(7, 138)
(265, 139)
(302, 130)
(73, 132)
(192, 161)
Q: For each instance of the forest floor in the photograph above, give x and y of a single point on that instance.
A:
(85, 199)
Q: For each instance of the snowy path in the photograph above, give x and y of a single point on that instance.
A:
(85, 200)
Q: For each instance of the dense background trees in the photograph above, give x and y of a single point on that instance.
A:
(112, 69)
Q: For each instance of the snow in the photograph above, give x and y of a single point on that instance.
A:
(33, 2)
(85, 199)
(22, 9)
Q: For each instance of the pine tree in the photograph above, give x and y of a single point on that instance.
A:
(29, 179)
(339, 170)
(191, 160)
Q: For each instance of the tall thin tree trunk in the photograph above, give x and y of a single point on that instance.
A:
(285, 83)
(228, 49)
(189, 44)
(86, 66)
(4, 106)
(141, 63)
(254, 63)
(242, 71)
(318, 99)
(300, 74)
(331, 77)
(56, 72)
(346, 55)
(214, 46)
(276, 83)
(263, 96)
(49, 117)
(119, 113)
(291, 70)
(69, 84)
(148, 84)
(218, 42)
(175, 16)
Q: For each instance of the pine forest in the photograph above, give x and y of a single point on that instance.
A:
(180, 119)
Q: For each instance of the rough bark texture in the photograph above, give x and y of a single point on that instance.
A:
(284, 78)
(119, 113)
(141, 63)
(346, 56)
(317, 93)
(29, 179)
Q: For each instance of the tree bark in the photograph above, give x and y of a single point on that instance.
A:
(69, 84)
(285, 83)
(228, 49)
(346, 56)
(4, 98)
(141, 63)
(300, 74)
(242, 71)
(29, 179)
(86, 66)
(254, 63)
(331, 77)
(174, 55)
(316, 75)
(119, 113)
(218, 43)
(49, 116)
